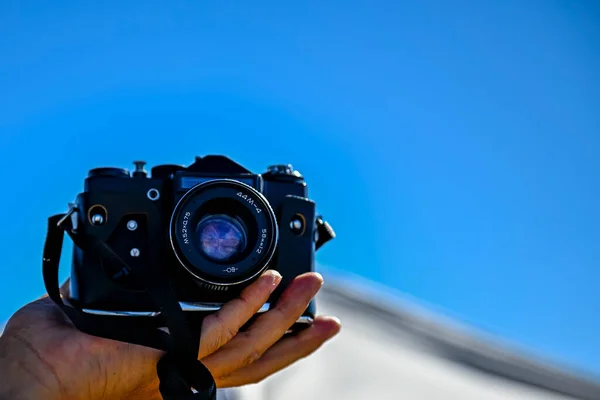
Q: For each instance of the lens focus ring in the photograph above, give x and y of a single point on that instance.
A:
(223, 232)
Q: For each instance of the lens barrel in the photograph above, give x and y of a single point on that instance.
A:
(223, 232)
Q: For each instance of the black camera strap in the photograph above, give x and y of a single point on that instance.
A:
(179, 370)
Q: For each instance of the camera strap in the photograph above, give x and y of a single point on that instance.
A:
(179, 370)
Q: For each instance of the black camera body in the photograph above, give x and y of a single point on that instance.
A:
(213, 227)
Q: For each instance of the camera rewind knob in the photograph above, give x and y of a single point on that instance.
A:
(109, 172)
(277, 169)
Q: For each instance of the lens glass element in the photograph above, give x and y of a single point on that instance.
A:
(221, 237)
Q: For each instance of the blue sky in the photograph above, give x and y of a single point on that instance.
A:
(453, 145)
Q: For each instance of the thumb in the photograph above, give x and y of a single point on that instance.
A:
(64, 290)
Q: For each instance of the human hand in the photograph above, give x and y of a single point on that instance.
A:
(43, 356)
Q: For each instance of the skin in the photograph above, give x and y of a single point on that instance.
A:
(43, 356)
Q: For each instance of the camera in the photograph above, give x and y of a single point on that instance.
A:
(213, 227)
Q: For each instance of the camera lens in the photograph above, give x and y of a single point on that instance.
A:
(223, 232)
(221, 237)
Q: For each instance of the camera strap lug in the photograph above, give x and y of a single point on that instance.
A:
(323, 233)
(73, 214)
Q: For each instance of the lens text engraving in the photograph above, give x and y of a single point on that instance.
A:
(250, 201)
(184, 228)
(263, 237)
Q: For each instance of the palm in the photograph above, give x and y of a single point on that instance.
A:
(90, 365)
(77, 365)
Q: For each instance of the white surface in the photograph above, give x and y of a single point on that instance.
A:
(369, 361)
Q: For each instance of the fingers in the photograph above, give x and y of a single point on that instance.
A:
(247, 347)
(284, 353)
(220, 327)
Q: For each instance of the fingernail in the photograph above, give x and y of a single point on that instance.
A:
(320, 278)
(274, 277)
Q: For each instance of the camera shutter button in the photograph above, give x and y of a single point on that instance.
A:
(139, 172)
